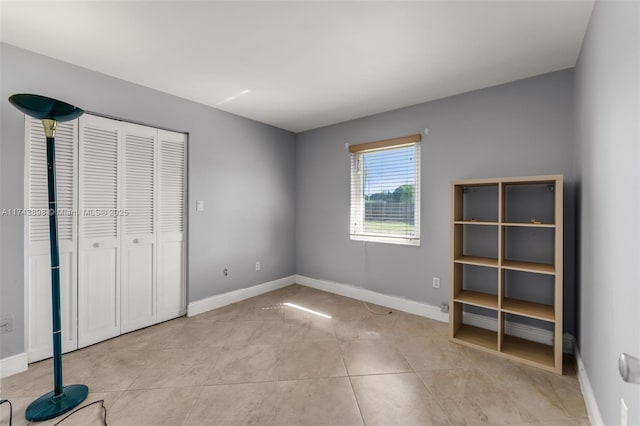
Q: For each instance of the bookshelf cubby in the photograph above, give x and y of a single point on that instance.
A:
(506, 267)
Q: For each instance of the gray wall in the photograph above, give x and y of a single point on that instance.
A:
(242, 169)
(517, 129)
(607, 88)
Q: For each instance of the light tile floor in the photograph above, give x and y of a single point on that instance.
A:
(259, 362)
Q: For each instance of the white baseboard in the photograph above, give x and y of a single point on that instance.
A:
(595, 418)
(520, 330)
(220, 300)
(359, 293)
(13, 364)
(430, 311)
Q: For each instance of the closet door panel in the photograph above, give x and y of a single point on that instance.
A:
(99, 230)
(139, 225)
(39, 281)
(99, 298)
(138, 307)
(37, 256)
(172, 224)
(171, 293)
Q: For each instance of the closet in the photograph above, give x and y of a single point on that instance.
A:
(121, 191)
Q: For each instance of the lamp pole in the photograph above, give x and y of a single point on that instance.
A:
(63, 398)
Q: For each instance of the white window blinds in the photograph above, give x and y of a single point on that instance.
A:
(385, 191)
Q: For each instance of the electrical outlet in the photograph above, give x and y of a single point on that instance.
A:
(6, 324)
(257, 265)
(199, 205)
(436, 282)
(624, 413)
(225, 272)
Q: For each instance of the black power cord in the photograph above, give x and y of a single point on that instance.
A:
(2, 401)
(100, 401)
(366, 305)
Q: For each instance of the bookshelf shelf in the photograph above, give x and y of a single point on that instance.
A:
(476, 298)
(477, 260)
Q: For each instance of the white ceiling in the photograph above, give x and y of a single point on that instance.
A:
(302, 65)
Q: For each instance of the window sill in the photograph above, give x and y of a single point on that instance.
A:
(414, 242)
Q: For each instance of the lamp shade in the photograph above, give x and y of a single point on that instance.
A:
(42, 107)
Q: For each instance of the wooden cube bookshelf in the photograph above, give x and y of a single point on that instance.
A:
(521, 221)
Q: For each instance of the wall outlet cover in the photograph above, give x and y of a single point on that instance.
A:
(436, 282)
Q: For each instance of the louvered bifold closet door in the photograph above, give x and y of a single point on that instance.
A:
(138, 287)
(99, 230)
(171, 224)
(37, 260)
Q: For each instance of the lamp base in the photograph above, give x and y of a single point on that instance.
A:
(49, 406)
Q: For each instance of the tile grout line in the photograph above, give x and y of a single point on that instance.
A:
(355, 396)
(434, 396)
(193, 404)
(351, 385)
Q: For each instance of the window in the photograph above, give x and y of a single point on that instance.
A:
(385, 191)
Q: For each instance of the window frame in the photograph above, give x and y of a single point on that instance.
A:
(357, 199)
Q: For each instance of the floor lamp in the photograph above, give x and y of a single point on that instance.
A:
(62, 398)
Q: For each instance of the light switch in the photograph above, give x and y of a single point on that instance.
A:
(199, 205)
